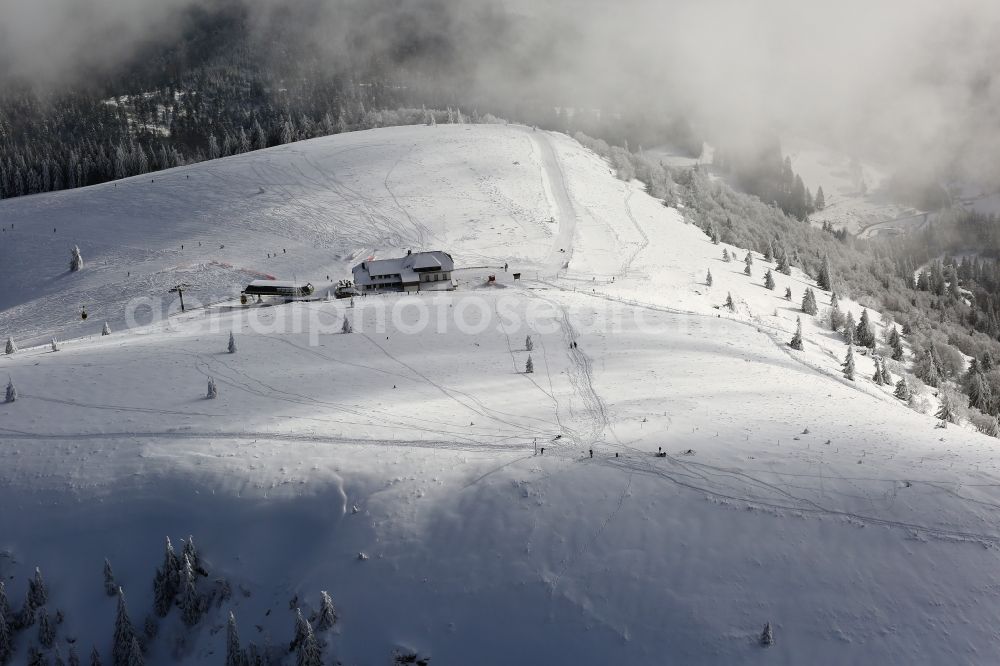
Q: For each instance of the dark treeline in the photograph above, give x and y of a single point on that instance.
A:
(765, 173)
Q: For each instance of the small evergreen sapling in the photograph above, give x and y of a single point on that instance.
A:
(877, 377)
(725, 256)
(729, 303)
(708, 278)
(529, 367)
(796, 342)
(232, 343)
(106, 330)
(528, 344)
(788, 293)
(767, 636)
(809, 302)
(346, 326)
(213, 392)
(886, 376)
(11, 394)
(55, 345)
(11, 346)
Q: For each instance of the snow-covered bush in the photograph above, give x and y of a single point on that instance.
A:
(55, 345)
(106, 330)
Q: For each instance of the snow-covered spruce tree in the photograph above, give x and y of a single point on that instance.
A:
(796, 342)
(110, 587)
(46, 630)
(38, 591)
(848, 364)
(346, 326)
(769, 280)
(769, 252)
(926, 368)
(135, 657)
(106, 330)
(864, 335)
(55, 345)
(767, 636)
(781, 262)
(167, 581)
(234, 653)
(788, 293)
(121, 652)
(886, 376)
(748, 270)
(714, 235)
(190, 601)
(896, 342)
(300, 630)
(213, 392)
(729, 302)
(820, 202)
(191, 552)
(26, 616)
(76, 259)
(11, 394)
(309, 652)
(902, 390)
(11, 346)
(748, 260)
(849, 329)
(809, 302)
(528, 344)
(232, 343)
(529, 367)
(877, 377)
(823, 281)
(708, 277)
(327, 614)
(725, 256)
(6, 638)
(95, 657)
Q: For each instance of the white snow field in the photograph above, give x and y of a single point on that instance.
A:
(788, 495)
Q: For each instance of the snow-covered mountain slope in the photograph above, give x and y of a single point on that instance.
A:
(788, 495)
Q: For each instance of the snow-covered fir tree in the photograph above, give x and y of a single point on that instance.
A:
(135, 657)
(95, 657)
(76, 259)
(902, 390)
(6, 634)
(796, 342)
(769, 252)
(896, 342)
(190, 601)
(781, 262)
(121, 653)
(110, 587)
(729, 302)
(877, 377)
(819, 203)
(529, 366)
(708, 277)
(234, 653)
(106, 330)
(863, 334)
(748, 260)
(528, 344)
(725, 255)
(38, 591)
(11, 346)
(309, 652)
(767, 636)
(848, 364)
(213, 391)
(167, 581)
(886, 376)
(849, 329)
(823, 281)
(769, 280)
(788, 293)
(346, 326)
(46, 630)
(55, 345)
(327, 614)
(11, 394)
(191, 552)
(232, 343)
(809, 305)
(748, 270)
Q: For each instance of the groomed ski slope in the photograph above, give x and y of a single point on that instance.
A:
(871, 538)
